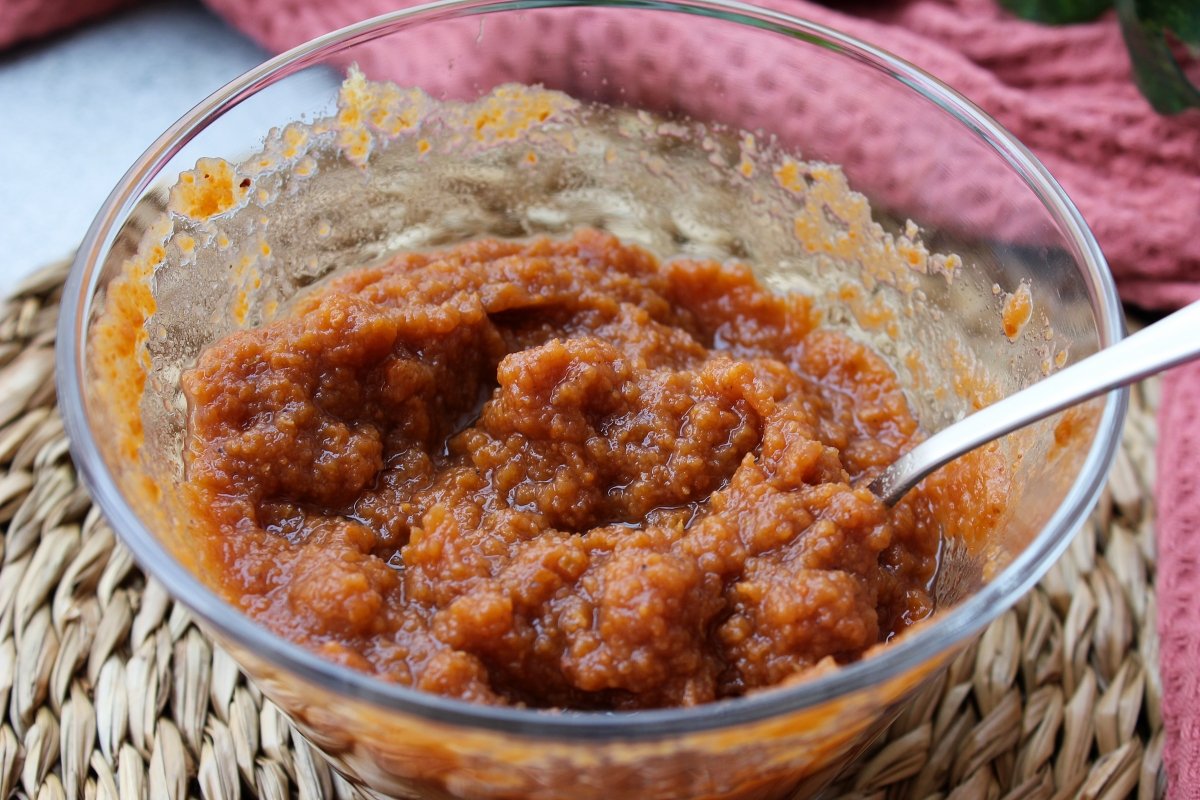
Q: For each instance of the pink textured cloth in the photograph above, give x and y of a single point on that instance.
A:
(1066, 92)
(1178, 497)
(28, 19)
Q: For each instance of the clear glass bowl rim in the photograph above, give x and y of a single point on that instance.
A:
(910, 652)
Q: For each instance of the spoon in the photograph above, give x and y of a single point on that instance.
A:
(1165, 344)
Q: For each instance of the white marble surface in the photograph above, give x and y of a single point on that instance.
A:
(77, 109)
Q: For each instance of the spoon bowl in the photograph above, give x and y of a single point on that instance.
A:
(1167, 343)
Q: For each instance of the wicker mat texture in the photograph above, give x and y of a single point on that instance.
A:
(108, 691)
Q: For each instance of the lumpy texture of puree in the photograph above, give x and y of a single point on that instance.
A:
(558, 474)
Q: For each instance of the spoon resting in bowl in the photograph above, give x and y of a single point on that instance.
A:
(1169, 342)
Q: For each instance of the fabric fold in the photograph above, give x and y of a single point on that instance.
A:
(1068, 94)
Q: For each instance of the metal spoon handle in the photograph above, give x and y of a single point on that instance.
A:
(1165, 344)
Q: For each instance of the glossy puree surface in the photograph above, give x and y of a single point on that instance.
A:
(558, 473)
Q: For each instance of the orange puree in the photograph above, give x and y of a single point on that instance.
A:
(558, 474)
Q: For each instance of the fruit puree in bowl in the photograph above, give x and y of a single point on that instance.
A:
(559, 473)
(513, 443)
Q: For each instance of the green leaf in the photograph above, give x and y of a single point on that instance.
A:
(1145, 24)
(1057, 12)
(1182, 17)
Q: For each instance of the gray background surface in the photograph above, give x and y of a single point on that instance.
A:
(78, 108)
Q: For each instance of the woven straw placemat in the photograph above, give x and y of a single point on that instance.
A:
(108, 691)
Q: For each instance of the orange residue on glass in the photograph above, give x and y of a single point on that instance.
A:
(240, 307)
(355, 144)
(295, 137)
(306, 166)
(788, 176)
(365, 106)
(916, 257)
(119, 354)
(212, 188)
(511, 110)
(872, 313)
(970, 380)
(251, 280)
(1075, 422)
(1018, 308)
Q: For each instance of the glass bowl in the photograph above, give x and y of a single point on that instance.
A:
(690, 119)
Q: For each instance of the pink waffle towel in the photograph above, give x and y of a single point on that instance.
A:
(27, 19)
(1067, 93)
